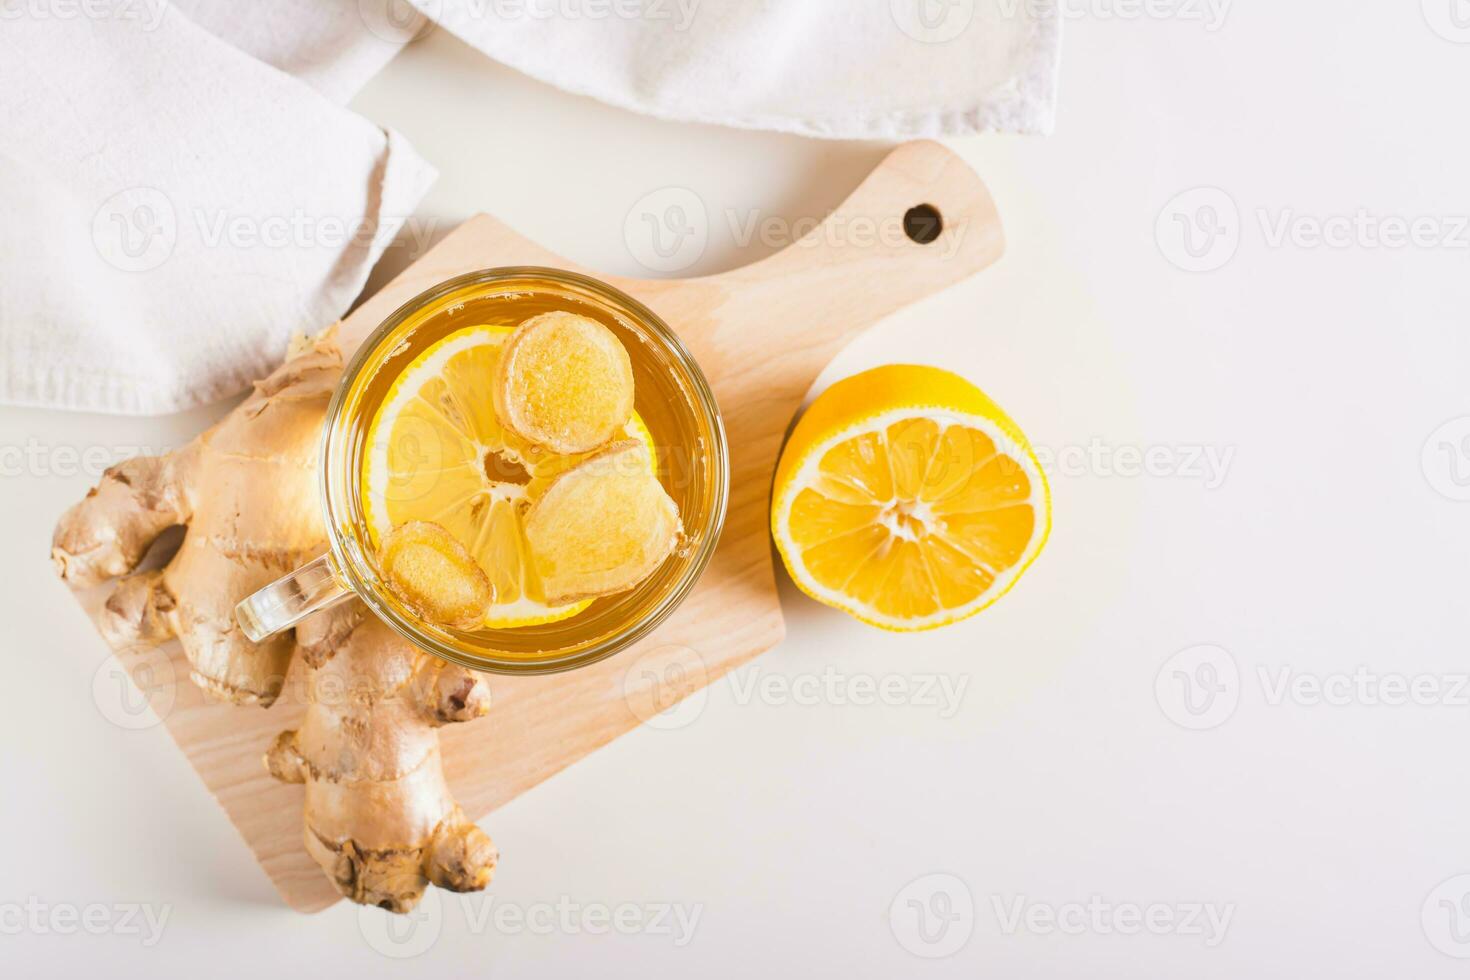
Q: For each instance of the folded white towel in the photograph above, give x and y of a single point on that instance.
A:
(182, 191)
(334, 46)
(850, 69)
(174, 211)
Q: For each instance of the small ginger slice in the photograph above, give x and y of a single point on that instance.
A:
(435, 575)
(564, 382)
(603, 526)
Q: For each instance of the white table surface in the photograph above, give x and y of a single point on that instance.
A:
(1323, 831)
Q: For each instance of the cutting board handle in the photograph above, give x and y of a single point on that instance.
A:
(920, 222)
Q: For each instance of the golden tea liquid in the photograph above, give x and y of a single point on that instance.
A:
(672, 401)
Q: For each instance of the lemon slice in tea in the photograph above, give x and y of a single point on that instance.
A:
(437, 452)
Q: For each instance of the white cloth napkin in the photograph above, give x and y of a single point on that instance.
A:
(174, 210)
(334, 46)
(849, 69)
(181, 190)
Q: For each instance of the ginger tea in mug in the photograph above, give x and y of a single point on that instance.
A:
(463, 439)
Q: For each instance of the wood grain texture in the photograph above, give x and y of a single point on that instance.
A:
(762, 335)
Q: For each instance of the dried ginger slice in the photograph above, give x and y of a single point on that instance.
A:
(435, 575)
(564, 382)
(603, 526)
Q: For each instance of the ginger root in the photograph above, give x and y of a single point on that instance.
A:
(247, 492)
(379, 818)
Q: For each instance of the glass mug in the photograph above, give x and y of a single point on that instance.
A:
(672, 397)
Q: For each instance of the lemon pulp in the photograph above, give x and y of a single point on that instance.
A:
(908, 499)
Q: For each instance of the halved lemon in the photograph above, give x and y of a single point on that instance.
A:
(437, 452)
(907, 498)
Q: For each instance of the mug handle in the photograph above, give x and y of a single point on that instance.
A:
(287, 601)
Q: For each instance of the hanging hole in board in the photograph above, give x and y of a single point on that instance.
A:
(923, 224)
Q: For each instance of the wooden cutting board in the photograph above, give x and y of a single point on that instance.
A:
(762, 335)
